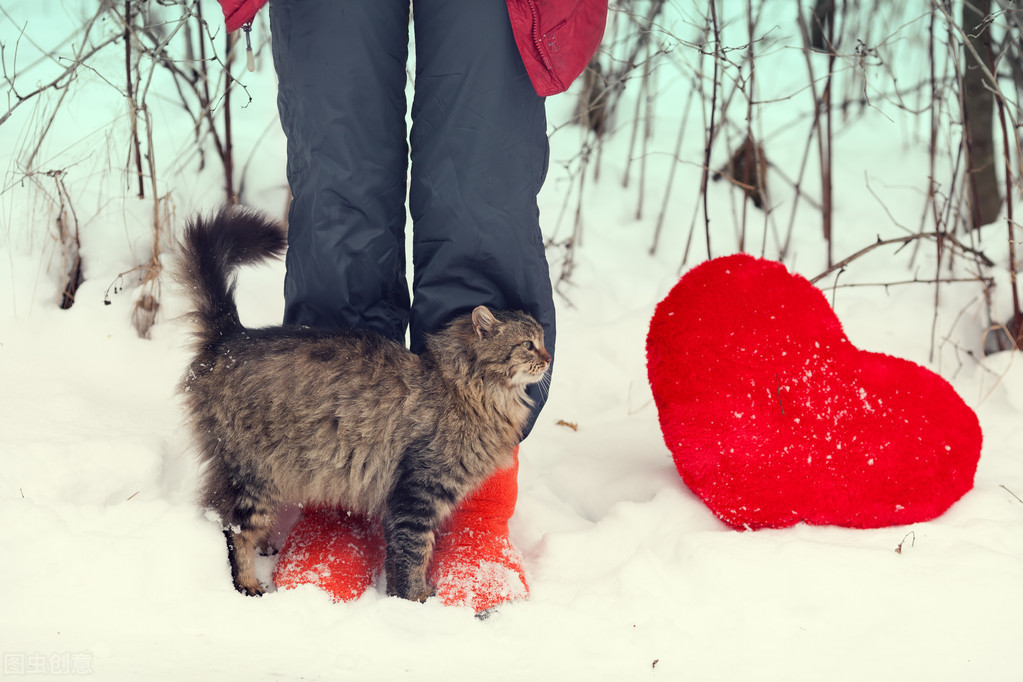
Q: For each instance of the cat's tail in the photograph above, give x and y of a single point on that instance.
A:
(211, 249)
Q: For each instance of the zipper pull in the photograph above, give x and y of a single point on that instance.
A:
(250, 59)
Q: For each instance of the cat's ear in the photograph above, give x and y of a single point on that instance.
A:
(484, 322)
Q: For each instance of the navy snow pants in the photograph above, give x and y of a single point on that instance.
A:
(478, 152)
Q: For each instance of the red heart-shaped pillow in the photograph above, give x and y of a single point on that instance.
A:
(774, 418)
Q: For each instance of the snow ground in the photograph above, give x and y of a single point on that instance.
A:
(109, 568)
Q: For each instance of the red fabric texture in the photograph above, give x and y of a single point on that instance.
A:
(338, 551)
(774, 418)
(556, 38)
(474, 563)
(237, 13)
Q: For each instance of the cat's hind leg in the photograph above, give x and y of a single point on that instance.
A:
(248, 512)
(242, 542)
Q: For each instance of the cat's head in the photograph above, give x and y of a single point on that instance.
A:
(510, 343)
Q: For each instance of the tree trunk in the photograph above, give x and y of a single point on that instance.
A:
(978, 117)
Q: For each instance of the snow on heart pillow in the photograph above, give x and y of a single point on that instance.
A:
(774, 418)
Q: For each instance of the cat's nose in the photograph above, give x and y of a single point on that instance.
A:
(545, 356)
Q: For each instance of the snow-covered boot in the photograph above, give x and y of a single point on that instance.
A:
(337, 551)
(474, 562)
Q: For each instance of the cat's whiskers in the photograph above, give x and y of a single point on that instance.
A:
(544, 385)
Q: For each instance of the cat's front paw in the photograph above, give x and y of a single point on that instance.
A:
(418, 593)
(422, 595)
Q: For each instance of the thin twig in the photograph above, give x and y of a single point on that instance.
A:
(136, 145)
(901, 240)
(60, 81)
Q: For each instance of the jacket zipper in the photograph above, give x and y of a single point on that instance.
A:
(250, 59)
(538, 41)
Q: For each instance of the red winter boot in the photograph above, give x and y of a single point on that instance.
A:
(474, 563)
(337, 551)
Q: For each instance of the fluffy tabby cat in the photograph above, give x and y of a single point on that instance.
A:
(300, 415)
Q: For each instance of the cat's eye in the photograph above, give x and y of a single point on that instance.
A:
(528, 345)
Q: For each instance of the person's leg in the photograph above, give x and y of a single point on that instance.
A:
(479, 158)
(341, 71)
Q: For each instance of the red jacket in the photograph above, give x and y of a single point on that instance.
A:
(556, 38)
